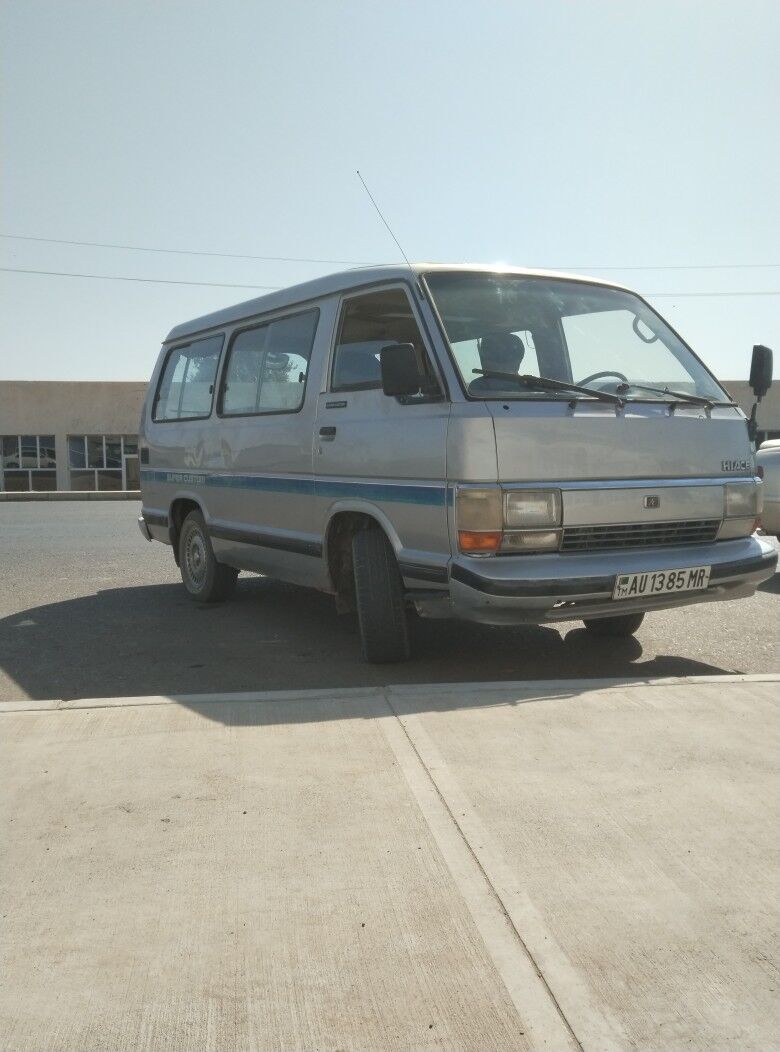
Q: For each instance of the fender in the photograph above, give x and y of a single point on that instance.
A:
(364, 507)
(412, 570)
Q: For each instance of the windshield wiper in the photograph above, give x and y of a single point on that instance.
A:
(546, 383)
(682, 396)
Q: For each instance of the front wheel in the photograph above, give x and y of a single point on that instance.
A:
(621, 626)
(379, 598)
(206, 580)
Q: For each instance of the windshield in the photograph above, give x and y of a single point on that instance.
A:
(570, 331)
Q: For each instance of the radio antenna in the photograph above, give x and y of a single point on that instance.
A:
(379, 213)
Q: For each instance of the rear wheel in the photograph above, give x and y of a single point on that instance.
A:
(379, 599)
(205, 580)
(624, 625)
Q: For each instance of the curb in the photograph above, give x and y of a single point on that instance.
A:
(519, 687)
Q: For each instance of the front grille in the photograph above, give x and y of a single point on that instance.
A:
(638, 535)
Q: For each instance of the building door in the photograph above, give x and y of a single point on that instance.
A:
(131, 473)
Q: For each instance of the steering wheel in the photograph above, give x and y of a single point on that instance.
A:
(604, 372)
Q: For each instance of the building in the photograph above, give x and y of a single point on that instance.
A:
(67, 435)
(768, 415)
(63, 435)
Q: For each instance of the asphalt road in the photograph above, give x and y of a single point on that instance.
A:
(89, 609)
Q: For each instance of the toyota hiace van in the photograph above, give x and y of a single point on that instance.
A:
(507, 447)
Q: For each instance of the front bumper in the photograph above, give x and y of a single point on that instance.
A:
(535, 589)
(142, 526)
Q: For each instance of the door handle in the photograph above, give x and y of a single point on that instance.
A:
(327, 434)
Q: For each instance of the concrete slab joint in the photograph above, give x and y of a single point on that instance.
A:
(572, 865)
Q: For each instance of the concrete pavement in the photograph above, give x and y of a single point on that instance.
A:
(549, 865)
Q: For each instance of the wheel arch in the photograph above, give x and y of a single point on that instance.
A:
(345, 519)
(180, 508)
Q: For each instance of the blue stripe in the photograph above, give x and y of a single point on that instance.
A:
(389, 491)
(432, 495)
(277, 484)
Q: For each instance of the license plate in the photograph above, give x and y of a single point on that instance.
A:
(661, 582)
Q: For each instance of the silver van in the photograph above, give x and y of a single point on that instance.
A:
(503, 446)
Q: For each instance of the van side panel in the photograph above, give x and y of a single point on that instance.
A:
(388, 461)
(261, 494)
(382, 456)
(471, 444)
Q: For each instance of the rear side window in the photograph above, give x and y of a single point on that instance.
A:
(267, 367)
(186, 387)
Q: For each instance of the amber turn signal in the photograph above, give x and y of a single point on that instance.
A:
(479, 540)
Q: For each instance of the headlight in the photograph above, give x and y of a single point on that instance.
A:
(479, 509)
(491, 520)
(479, 519)
(742, 504)
(532, 508)
(743, 499)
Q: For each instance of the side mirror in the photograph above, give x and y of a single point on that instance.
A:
(761, 371)
(760, 382)
(401, 371)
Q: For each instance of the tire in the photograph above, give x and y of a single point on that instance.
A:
(205, 580)
(618, 627)
(379, 598)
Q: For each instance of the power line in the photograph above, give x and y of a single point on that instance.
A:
(273, 288)
(148, 281)
(677, 295)
(688, 266)
(358, 262)
(182, 251)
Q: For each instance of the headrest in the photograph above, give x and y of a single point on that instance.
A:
(506, 345)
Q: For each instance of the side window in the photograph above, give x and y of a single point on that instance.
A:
(267, 367)
(187, 385)
(369, 323)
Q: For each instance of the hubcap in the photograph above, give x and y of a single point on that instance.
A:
(195, 558)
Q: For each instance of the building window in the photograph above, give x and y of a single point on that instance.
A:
(102, 462)
(28, 462)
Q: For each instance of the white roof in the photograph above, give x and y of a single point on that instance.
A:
(351, 279)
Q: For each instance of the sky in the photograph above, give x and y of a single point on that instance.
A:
(569, 134)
